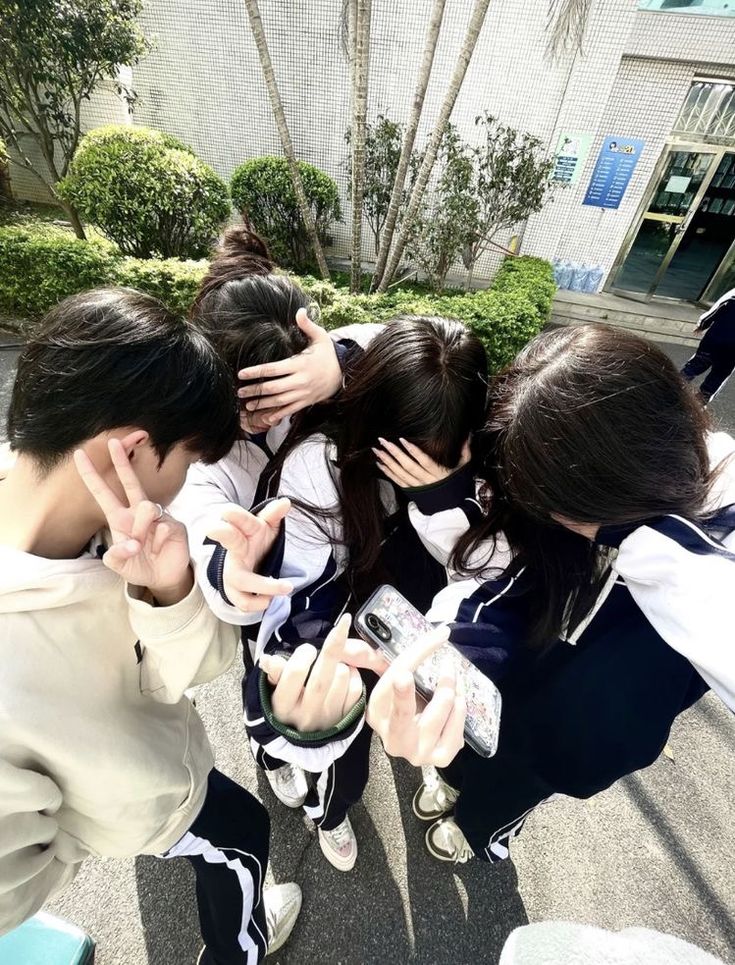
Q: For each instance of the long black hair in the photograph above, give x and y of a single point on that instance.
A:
(595, 425)
(421, 379)
(246, 309)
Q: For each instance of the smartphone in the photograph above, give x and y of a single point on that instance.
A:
(390, 623)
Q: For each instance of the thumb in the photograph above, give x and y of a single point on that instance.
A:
(314, 332)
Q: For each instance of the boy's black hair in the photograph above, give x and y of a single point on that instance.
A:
(111, 358)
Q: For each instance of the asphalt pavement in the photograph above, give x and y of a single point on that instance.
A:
(656, 850)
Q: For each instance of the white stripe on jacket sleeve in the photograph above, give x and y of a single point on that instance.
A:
(688, 597)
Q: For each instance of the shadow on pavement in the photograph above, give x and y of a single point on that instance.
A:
(356, 917)
(460, 913)
(168, 910)
(722, 916)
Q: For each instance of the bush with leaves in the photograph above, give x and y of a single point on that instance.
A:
(54, 56)
(383, 142)
(41, 264)
(511, 181)
(447, 212)
(262, 191)
(147, 191)
(504, 317)
(173, 281)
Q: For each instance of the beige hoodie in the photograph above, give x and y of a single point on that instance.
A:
(100, 751)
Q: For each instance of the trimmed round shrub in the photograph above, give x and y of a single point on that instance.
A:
(262, 191)
(147, 191)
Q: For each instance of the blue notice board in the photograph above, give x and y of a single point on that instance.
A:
(613, 171)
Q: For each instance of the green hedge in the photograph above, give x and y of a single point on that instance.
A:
(42, 264)
(504, 317)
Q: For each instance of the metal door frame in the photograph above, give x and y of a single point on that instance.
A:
(699, 147)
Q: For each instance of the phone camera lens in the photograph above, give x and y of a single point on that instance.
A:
(378, 627)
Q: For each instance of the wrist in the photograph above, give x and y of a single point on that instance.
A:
(176, 592)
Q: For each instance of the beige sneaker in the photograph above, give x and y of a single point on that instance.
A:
(282, 907)
(435, 797)
(446, 842)
(339, 846)
(289, 785)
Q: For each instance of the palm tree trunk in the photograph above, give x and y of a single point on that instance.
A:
(359, 119)
(256, 25)
(470, 41)
(432, 36)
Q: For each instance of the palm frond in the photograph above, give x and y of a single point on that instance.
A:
(566, 24)
(343, 31)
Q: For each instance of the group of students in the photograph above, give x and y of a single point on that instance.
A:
(173, 488)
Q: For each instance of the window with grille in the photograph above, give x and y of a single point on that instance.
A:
(708, 111)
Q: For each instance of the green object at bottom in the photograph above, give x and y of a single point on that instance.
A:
(45, 940)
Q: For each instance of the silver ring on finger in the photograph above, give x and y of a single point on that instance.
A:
(161, 511)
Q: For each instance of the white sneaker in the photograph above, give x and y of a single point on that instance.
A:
(282, 907)
(435, 797)
(289, 785)
(446, 842)
(339, 846)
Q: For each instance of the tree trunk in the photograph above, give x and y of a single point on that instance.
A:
(473, 32)
(432, 36)
(6, 187)
(75, 222)
(359, 119)
(256, 25)
(73, 217)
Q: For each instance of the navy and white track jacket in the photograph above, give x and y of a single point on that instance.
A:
(234, 479)
(310, 554)
(680, 573)
(600, 703)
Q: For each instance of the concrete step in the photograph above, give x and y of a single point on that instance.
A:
(652, 329)
(629, 319)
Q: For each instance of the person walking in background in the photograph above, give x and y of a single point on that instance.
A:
(716, 351)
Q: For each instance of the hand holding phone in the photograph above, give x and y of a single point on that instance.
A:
(421, 733)
(392, 624)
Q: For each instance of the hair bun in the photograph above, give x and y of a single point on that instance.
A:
(240, 243)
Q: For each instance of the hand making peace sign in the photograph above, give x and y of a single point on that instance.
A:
(149, 548)
(248, 539)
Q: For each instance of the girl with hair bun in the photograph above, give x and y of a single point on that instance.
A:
(280, 362)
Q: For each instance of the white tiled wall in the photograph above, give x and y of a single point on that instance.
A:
(203, 83)
(670, 36)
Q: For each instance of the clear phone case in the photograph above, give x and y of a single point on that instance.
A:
(389, 622)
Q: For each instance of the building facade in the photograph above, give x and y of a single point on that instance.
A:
(642, 118)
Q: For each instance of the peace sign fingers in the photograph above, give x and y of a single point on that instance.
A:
(98, 488)
(124, 521)
(125, 473)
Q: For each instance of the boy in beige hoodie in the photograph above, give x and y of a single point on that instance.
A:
(103, 628)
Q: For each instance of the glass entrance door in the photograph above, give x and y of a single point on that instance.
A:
(676, 198)
(706, 240)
